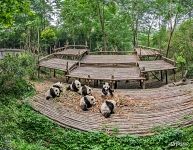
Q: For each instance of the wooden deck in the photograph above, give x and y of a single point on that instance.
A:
(141, 52)
(109, 59)
(154, 107)
(55, 63)
(106, 73)
(72, 52)
(157, 65)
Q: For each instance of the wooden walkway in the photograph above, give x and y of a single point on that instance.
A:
(110, 59)
(154, 107)
(156, 65)
(141, 52)
(106, 73)
(60, 64)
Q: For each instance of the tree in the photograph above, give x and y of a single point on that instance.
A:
(9, 9)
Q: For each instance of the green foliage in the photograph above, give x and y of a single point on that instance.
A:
(9, 9)
(48, 35)
(13, 71)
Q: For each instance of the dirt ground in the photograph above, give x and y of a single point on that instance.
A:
(71, 99)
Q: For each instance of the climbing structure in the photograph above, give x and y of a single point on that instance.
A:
(79, 63)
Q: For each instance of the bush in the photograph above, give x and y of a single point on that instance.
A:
(14, 70)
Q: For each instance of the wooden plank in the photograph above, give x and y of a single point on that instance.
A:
(109, 59)
(146, 52)
(156, 65)
(55, 63)
(169, 106)
(106, 73)
(72, 52)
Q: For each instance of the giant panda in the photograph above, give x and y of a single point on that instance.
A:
(85, 90)
(107, 108)
(87, 102)
(74, 86)
(52, 93)
(58, 85)
(107, 89)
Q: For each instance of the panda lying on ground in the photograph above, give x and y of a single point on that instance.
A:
(87, 102)
(58, 85)
(107, 108)
(107, 89)
(52, 93)
(85, 90)
(74, 86)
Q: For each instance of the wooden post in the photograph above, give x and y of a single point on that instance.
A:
(74, 44)
(50, 72)
(140, 52)
(54, 73)
(67, 70)
(143, 84)
(89, 80)
(95, 83)
(174, 71)
(161, 73)
(114, 83)
(38, 62)
(50, 50)
(67, 79)
(38, 71)
(166, 76)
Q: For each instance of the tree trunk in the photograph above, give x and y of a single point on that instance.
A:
(148, 36)
(171, 34)
(38, 49)
(101, 19)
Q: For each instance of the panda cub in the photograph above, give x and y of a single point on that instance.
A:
(85, 90)
(87, 102)
(107, 89)
(52, 93)
(58, 85)
(107, 108)
(74, 86)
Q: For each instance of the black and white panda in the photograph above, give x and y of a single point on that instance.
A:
(87, 102)
(85, 90)
(107, 89)
(74, 86)
(58, 85)
(107, 108)
(52, 93)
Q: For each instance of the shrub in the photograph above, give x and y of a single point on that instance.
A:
(13, 73)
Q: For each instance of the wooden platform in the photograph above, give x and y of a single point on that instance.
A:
(157, 65)
(109, 59)
(106, 73)
(72, 52)
(55, 63)
(154, 107)
(141, 52)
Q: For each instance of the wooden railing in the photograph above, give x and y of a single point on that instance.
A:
(111, 52)
(11, 50)
(150, 48)
(169, 60)
(70, 46)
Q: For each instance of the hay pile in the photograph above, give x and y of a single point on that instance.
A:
(125, 103)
